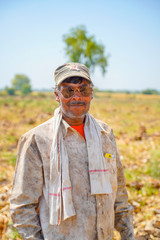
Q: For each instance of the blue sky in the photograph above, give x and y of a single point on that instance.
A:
(31, 40)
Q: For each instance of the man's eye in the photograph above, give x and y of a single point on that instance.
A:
(70, 90)
(85, 89)
(82, 89)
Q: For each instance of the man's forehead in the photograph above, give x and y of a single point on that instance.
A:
(84, 81)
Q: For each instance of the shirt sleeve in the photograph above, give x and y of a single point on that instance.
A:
(123, 211)
(27, 189)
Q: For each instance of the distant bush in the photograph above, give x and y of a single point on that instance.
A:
(10, 90)
(127, 92)
(150, 91)
(41, 94)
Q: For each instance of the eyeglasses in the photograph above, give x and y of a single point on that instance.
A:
(69, 91)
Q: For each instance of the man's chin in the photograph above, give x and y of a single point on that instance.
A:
(75, 115)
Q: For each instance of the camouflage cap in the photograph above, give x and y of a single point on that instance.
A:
(71, 70)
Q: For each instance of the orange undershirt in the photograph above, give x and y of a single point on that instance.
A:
(80, 129)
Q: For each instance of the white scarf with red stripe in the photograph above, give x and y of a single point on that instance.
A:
(60, 196)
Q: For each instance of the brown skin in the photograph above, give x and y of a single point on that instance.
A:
(75, 108)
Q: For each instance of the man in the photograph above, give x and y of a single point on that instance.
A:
(69, 182)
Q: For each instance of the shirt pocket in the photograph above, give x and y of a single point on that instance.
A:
(112, 169)
(110, 159)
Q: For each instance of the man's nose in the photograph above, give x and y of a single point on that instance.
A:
(76, 94)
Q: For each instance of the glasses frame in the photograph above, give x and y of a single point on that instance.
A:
(77, 88)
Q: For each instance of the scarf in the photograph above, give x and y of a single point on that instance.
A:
(60, 199)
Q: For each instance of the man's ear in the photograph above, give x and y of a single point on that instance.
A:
(57, 96)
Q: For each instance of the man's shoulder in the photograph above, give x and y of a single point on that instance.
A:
(107, 130)
(40, 130)
(105, 126)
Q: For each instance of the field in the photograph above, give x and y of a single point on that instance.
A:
(135, 120)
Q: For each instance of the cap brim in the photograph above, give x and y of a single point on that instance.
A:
(73, 74)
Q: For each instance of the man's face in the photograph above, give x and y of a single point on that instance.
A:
(76, 106)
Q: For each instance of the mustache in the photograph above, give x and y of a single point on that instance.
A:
(76, 103)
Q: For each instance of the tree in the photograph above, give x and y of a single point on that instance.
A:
(19, 81)
(26, 88)
(82, 47)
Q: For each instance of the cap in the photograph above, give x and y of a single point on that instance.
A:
(71, 70)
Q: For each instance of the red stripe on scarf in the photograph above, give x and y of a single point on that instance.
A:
(97, 170)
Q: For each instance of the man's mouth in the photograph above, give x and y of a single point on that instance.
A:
(79, 103)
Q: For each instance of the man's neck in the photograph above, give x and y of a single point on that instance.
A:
(72, 121)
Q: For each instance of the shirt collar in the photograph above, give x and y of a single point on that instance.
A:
(66, 127)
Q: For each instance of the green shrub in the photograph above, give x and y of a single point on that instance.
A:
(150, 91)
(10, 90)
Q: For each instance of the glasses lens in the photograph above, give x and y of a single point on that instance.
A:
(85, 91)
(67, 92)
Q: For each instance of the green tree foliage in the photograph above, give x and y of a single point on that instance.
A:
(150, 91)
(26, 88)
(19, 81)
(82, 47)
